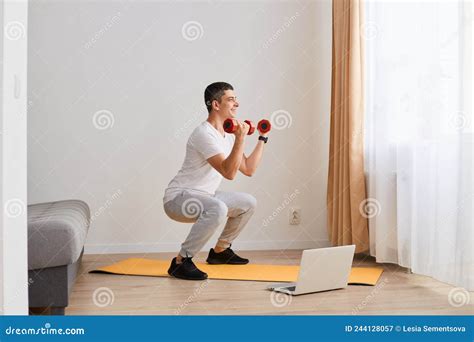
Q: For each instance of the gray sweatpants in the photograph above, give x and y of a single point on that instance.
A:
(208, 213)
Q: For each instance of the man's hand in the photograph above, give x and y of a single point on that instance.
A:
(242, 130)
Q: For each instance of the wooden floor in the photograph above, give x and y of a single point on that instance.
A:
(397, 292)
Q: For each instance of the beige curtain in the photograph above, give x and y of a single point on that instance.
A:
(347, 223)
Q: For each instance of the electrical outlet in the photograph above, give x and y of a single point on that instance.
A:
(295, 216)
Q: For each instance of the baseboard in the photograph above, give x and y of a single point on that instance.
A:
(175, 246)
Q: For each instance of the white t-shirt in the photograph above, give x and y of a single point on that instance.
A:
(196, 174)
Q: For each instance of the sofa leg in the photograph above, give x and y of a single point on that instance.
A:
(57, 311)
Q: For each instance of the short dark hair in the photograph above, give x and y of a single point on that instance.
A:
(215, 91)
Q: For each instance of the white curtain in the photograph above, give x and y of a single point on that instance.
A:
(419, 137)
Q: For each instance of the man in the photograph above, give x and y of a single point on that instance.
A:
(191, 196)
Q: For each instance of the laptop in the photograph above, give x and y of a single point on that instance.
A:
(321, 269)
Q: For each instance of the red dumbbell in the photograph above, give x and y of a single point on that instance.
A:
(230, 126)
(264, 126)
(252, 127)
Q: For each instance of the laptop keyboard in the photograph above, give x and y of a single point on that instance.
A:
(290, 288)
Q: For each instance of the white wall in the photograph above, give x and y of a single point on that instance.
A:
(132, 59)
(13, 216)
(2, 277)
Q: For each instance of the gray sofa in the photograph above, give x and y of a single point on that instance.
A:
(56, 235)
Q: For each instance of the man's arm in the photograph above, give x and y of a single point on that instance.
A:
(249, 164)
(228, 167)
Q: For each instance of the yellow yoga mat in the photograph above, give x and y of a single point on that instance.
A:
(255, 272)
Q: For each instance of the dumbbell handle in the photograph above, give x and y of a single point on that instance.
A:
(230, 126)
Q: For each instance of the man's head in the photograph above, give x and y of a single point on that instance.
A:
(219, 97)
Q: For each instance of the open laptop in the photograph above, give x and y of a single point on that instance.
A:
(321, 269)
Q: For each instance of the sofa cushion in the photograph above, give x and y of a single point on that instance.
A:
(56, 232)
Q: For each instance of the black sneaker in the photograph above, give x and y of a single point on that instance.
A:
(186, 270)
(227, 256)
